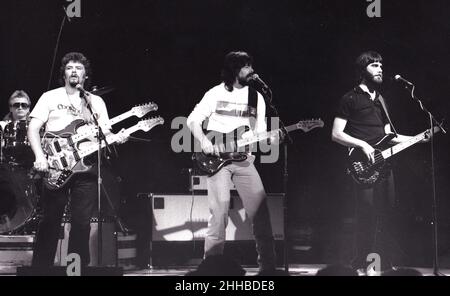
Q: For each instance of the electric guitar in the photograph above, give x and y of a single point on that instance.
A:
(78, 130)
(231, 146)
(367, 174)
(70, 160)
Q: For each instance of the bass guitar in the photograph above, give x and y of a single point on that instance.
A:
(366, 173)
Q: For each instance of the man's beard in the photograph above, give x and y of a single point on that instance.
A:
(243, 81)
(74, 82)
(372, 81)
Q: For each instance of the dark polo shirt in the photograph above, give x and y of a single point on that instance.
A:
(365, 118)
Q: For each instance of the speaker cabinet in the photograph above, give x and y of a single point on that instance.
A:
(181, 217)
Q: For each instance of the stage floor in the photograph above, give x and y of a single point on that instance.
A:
(294, 270)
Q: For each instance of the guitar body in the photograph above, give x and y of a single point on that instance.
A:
(57, 179)
(76, 126)
(363, 172)
(64, 162)
(226, 143)
(211, 164)
(67, 159)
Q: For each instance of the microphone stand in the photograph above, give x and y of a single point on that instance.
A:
(433, 122)
(100, 137)
(267, 94)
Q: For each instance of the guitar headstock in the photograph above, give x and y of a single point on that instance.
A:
(307, 125)
(148, 124)
(141, 110)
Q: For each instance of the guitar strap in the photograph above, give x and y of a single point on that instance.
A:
(252, 106)
(383, 104)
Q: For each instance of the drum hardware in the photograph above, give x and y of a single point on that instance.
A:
(21, 213)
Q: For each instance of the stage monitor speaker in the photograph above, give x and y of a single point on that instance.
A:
(181, 217)
(198, 184)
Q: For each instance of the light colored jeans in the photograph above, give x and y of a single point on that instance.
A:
(251, 191)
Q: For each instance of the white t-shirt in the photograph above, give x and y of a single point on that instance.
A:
(57, 110)
(224, 110)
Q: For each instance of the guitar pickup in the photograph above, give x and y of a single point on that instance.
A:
(63, 162)
(76, 155)
(57, 146)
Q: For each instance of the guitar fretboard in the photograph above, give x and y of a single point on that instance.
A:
(91, 130)
(265, 135)
(402, 146)
(111, 139)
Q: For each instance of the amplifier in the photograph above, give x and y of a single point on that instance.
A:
(198, 182)
(181, 217)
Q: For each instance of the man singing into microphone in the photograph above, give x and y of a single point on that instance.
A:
(361, 121)
(227, 106)
(56, 109)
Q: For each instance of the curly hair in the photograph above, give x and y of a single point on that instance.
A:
(233, 63)
(79, 58)
(365, 59)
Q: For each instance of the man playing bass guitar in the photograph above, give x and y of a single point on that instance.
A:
(361, 122)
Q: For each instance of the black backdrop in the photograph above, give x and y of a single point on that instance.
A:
(171, 52)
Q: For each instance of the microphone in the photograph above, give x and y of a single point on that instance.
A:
(82, 91)
(255, 78)
(400, 78)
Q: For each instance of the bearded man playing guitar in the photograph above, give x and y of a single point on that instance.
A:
(362, 122)
(57, 109)
(228, 106)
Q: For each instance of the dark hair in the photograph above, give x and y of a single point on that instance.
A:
(17, 94)
(232, 64)
(79, 58)
(365, 59)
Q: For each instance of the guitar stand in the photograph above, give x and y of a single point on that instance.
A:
(116, 218)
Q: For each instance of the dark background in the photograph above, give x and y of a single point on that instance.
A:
(171, 52)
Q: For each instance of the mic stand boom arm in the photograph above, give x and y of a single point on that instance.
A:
(432, 118)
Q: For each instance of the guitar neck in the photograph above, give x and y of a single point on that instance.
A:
(256, 138)
(402, 146)
(121, 117)
(111, 139)
(89, 131)
(264, 136)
